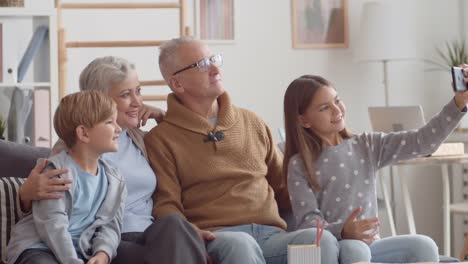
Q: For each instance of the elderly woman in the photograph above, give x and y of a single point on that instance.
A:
(144, 239)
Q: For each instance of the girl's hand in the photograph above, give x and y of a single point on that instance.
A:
(461, 98)
(365, 229)
(42, 186)
(146, 112)
(99, 258)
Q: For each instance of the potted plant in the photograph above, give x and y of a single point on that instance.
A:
(453, 54)
(2, 127)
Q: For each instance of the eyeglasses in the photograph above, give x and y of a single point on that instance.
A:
(204, 64)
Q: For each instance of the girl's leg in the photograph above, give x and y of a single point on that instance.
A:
(405, 248)
(274, 244)
(352, 251)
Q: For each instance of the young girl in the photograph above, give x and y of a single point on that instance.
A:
(331, 173)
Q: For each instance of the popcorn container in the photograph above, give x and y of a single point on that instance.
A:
(303, 254)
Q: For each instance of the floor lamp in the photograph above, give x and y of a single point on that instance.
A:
(387, 35)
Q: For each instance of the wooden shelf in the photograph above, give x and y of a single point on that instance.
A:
(117, 5)
(459, 208)
(21, 11)
(462, 130)
(26, 84)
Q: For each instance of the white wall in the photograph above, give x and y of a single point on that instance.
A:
(261, 63)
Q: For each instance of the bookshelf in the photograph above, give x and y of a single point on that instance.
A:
(41, 78)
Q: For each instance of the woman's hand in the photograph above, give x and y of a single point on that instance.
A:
(146, 112)
(42, 186)
(461, 98)
(205, 235)
(100, 258)
(365, 229)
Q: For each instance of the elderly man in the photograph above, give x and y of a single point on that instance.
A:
(217, 165)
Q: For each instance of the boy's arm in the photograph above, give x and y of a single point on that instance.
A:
(51, 221)
(107, 237)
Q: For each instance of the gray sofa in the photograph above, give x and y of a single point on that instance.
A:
(17, 160)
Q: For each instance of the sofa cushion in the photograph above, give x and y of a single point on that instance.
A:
(10, 211)
(17, 160)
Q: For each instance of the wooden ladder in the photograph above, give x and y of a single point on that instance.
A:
(63, 44)
(464, 252)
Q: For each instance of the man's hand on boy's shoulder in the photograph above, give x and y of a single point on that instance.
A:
(100, 258)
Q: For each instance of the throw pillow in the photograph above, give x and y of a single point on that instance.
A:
(10, 211)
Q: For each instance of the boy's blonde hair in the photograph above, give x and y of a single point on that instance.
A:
(86, 108)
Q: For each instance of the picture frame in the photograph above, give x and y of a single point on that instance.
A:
(214, 21)
(319, 24)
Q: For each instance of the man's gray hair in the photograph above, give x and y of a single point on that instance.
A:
(167, 52)
(104, 72)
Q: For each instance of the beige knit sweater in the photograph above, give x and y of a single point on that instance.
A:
(216, 184)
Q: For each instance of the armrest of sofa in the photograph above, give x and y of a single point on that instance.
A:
(17, 160)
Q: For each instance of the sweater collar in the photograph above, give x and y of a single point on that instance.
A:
(181, 116)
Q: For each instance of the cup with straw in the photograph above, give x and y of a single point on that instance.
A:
(307, 254)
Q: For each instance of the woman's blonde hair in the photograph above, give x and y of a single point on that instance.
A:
(300, 140)
(104, 72)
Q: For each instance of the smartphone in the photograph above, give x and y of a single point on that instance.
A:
(458, 81)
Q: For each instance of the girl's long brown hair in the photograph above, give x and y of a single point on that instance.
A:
(299, 139)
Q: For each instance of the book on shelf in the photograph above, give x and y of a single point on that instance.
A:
(9, 49)
(41, 113)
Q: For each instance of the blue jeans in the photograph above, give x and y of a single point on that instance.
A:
(265, 244)
(397, 249)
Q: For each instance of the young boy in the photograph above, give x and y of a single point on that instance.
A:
(83, 225)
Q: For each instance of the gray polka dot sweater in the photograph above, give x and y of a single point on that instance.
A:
(346, 172)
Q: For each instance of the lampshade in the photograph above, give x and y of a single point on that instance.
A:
(388, 32)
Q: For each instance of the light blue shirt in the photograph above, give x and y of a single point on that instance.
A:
(89, 194)
(141, 184)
